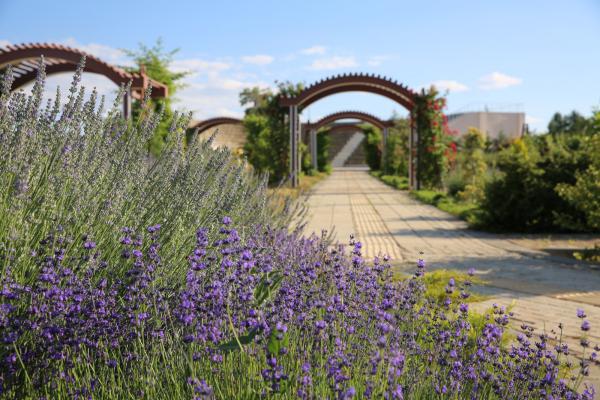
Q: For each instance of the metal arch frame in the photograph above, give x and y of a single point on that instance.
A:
(393, 90)
(212, 122)
(312, 128)
(59, 58)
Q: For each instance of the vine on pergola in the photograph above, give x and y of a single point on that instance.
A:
(436, 148)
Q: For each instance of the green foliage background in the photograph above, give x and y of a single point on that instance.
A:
(372, 145)
(267, 146)
(156, 62)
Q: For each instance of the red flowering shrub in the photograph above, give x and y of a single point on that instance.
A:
(436, 150)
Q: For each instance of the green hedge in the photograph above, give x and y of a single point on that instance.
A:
(523, 196)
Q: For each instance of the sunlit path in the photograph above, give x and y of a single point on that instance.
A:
(547, 290)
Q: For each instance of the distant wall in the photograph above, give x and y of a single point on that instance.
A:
(232, 136)
(492, 124)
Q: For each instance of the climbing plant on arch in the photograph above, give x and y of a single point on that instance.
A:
(422, 107)
(435, 147)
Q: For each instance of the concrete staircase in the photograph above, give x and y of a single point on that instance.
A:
(358, 155)
(337, 141)
(355, 142)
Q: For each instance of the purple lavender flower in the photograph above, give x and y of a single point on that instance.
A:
(585, 326)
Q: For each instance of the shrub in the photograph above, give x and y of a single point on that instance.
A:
(76, 167)
(323, 141)
(523, 197)
(435, 148)
(156, 62)
(397, 182)
(584, 194)
(465, 210)
(472, 161)
(455, 183)
(372, 146)
(267, 146)
(395, 161)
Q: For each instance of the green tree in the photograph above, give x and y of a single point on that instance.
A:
(156, 62)
(267, 146)
(570, 123)
(522, 196)
(473, 165)
(372, 146)
(323, 142)
(435, 139)
(584, 194)
(395, 160)
(473, 161)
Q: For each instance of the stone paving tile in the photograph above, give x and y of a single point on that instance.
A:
(545, 290)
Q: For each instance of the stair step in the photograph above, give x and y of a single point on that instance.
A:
(349, 148)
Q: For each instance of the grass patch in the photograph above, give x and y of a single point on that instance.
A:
(466, 211)
(306, 183)
(437, 281)
(397, 182)
(590, 255)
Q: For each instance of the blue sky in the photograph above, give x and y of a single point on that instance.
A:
(533, 56)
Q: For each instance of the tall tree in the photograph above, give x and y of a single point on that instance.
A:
(570, 123)
(267, 146)
(156, 62)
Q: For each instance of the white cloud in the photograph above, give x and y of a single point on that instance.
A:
(376, 61)
(105, 53)
(498, 80)
(4, 43)
(530, 119)
(314, 50)
(197, 65)
(333, 63)
(259, 59)
(451, 86)
(215, 93)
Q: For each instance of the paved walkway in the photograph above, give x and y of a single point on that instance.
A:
(546, 290)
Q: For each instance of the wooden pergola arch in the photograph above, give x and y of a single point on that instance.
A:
(356, 82)
(359, 115)
(312, 128)
(24, 59)
(201, 126)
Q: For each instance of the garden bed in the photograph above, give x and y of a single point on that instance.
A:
(184, 277)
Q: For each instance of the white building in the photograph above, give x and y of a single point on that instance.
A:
(492, 124)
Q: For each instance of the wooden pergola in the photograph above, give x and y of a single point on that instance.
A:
(382, 86)
(24, 59)
(312, 128)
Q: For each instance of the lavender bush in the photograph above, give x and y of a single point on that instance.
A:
(87, 170)
(106, 293)
(273, 315)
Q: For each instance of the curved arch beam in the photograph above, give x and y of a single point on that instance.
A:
(352, 83)
(359, 115)
(212, 122)
(59, 58)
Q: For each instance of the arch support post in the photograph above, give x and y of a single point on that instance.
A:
(127, 103)
(313, 148)
(294, 146)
